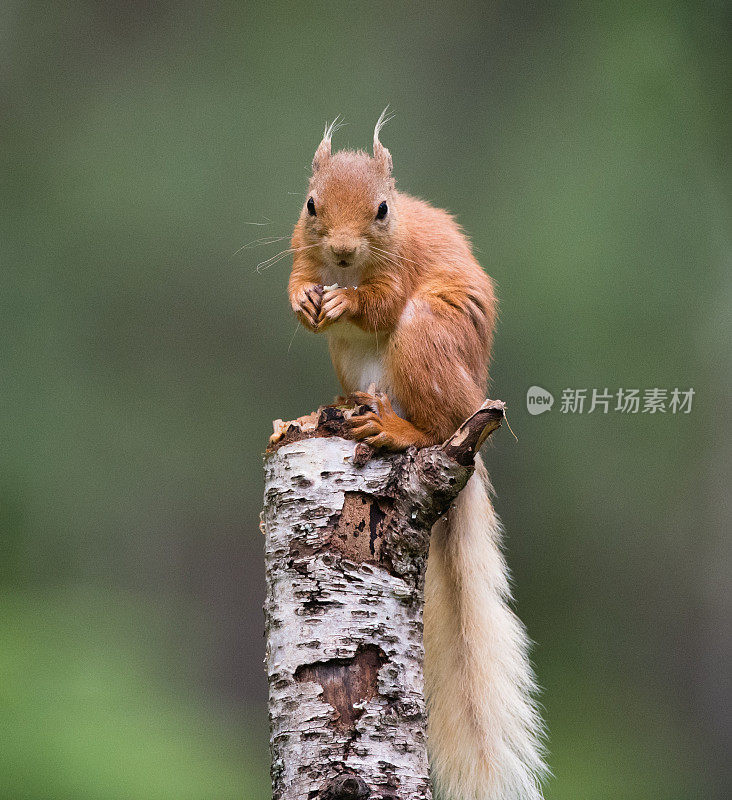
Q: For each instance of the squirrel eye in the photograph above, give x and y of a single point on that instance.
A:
(381, 213)
(311, 206)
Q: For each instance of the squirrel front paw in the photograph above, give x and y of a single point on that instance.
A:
(306, 303)
(336, 302)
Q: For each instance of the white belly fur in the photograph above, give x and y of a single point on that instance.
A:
(359, 358)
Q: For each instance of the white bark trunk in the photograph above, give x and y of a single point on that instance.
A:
(345, 549)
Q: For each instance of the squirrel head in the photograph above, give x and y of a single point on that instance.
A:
(350, 211)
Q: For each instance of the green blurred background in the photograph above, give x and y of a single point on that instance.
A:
(583, 147)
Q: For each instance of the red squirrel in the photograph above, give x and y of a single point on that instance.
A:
(407, 309)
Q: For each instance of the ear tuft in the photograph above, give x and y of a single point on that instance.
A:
(381, 154)
(322, 154)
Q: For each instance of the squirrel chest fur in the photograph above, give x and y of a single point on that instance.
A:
(358, 357)
(362, 360)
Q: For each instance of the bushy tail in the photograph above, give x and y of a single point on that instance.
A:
(484, 729)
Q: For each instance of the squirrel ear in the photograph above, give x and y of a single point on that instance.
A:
(322, 154)
(381, 154)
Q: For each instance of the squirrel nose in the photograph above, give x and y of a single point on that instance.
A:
(342, 251)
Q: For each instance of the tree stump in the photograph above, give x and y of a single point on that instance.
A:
(346, 543)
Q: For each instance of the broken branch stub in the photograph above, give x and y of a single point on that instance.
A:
(470, 436)
(346, 542)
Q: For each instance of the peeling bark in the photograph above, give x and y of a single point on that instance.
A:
(346, 542)
(347, 683)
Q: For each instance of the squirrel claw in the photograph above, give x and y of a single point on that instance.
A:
(307, 306)
(366, 421)
(364, 425)
(335, 303)
(379, 425)
(371, 399)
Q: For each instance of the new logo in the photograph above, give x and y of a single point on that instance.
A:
(538, 400)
